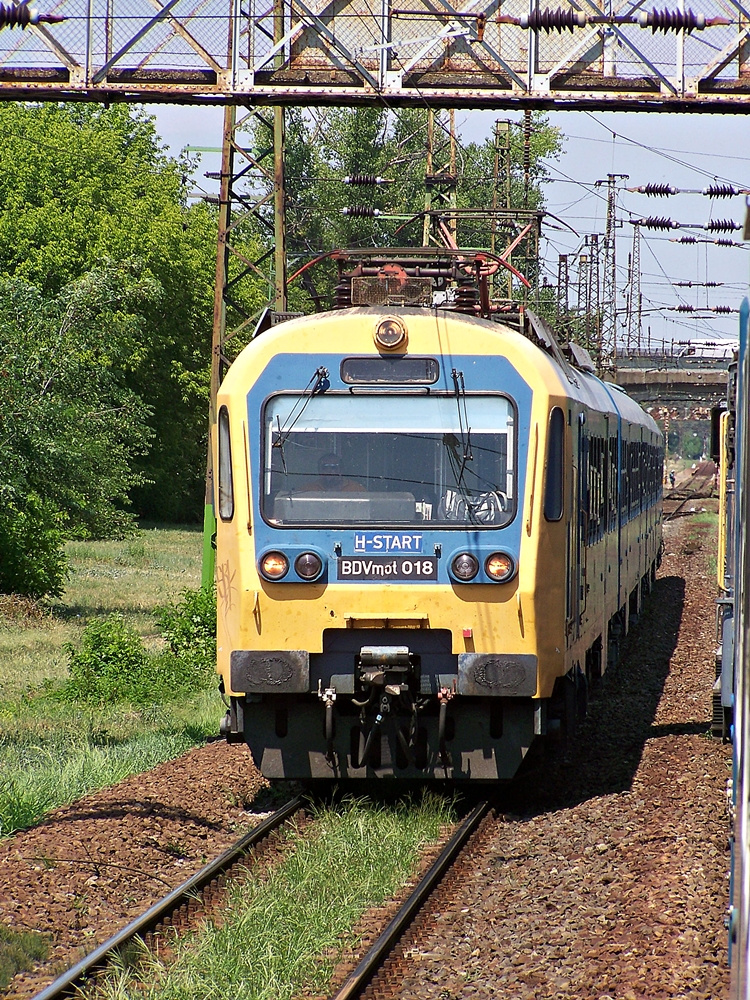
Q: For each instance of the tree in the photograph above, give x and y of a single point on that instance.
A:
(70, 426)
(81, 185)
(69, 423)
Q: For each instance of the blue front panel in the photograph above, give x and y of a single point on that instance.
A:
(414, 554)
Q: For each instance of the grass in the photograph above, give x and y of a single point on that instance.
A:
(51, 751)
(282, 934)
(19, 950)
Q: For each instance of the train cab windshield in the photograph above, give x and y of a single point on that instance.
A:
(389, 459)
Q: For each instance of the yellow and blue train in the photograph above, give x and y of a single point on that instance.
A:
(732, 689)
(433, 527)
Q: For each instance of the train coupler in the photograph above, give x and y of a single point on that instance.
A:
(328, 697)
(388, 668)
(445, 695)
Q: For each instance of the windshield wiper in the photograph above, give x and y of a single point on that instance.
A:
(464, 431)
(317, 383)
(463, 419)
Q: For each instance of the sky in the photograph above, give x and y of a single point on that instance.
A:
(689, 152)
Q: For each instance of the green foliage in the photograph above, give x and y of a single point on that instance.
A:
(53, 749)
(32, 561)
(70, 425)
(112, 663)
(19, 951)
(89, 199)
(189, 628)
(83, 751)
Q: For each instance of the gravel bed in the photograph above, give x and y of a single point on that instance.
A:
(606, 877)
(92, 867)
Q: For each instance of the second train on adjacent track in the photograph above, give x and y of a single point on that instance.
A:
(433, 527)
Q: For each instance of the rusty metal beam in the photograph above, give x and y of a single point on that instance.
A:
(475, 54)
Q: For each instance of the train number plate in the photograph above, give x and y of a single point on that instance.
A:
(387, 568)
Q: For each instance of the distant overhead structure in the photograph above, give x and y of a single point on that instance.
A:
(478, 53)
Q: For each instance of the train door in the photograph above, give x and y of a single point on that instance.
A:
(576, 548)
(641, 494)
(606, 488)
(584, 502)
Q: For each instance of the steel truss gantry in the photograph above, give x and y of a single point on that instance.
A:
(477, 53)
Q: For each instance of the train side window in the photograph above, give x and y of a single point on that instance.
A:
(226, 485)
(553, 487)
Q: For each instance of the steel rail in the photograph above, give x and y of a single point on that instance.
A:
(694, 488)
(361, 976)
(65, 984)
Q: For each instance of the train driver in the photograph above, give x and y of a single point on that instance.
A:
(330, 480)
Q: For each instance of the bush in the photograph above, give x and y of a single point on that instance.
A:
(189, 628)
(111, 663)
(31, 542)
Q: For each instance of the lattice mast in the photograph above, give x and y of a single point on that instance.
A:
(249, 183)
(635, 301)
(501, 171)
(593, 319)
(563, 297)
(441, 178)
(582, 304)
(608, 350)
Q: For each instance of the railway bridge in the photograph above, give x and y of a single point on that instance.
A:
(685, 386)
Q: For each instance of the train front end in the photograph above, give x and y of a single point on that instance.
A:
(381, 546)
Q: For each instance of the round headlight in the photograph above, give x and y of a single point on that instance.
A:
(308, 565)
(465, 566)
(274, 565)
(390, 334)
(499, 566)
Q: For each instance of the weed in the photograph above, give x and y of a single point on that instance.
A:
(19, 951)
(112, 664)
(109, 663)
(22, 612)
(64, 763)
(54, 746)
(175, 849)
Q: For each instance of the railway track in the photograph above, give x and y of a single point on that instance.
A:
(177, 909)
(699, 486)
(383, 961)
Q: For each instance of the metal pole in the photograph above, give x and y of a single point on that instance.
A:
(217, 338)
(427, 225)
(279, 211)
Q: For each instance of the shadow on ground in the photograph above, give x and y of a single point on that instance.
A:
(604, 755)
